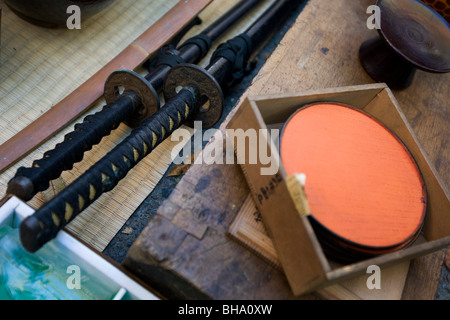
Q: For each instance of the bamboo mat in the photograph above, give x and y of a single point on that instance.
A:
(39, 67)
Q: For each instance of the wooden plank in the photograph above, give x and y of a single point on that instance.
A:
(205, 264)
(320, 51)
(249, 230)
(423, 277)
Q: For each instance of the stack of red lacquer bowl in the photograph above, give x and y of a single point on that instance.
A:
(365, 191)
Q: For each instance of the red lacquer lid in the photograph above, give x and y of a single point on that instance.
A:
(363, 186)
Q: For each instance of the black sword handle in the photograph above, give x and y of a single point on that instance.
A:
(46, 222)
(28, 181)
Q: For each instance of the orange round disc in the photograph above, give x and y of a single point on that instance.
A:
(362, 184)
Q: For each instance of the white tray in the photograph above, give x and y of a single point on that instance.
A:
(92, 266)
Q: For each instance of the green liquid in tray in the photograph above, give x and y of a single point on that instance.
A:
(42, 275)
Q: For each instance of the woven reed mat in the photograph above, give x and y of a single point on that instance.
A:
(39, 67)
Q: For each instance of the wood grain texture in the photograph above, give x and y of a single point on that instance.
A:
(249, 230)
(334, 143)
(423, 277)
(194, 258)
(320, 51)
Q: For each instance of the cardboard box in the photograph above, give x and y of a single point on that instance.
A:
(304, 263)
(107, 279)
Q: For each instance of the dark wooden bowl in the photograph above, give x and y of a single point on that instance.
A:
(53, 13)
(412, 36)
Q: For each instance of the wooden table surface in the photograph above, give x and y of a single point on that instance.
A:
(185, 252)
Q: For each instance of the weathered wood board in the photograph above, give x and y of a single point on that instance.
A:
(185, 251)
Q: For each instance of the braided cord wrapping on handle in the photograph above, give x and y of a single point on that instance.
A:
(71, 150)
(52, 217)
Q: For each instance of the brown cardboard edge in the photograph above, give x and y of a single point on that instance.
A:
(349, 271)
(388, 259)
(310, 258)
(437, 193)
(360, 94)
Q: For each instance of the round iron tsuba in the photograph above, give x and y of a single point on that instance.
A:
(416, 32)
(365, 191)
(211, 95)
(125, 80)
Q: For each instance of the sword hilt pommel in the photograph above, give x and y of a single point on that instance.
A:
(30, 234)
(21, 187)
